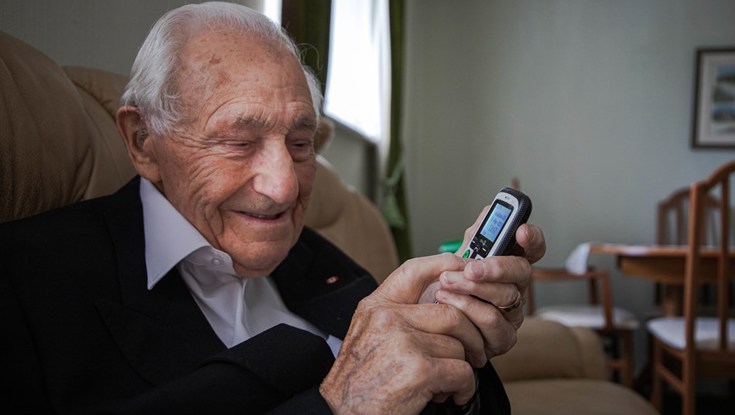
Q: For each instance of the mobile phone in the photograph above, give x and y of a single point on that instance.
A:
(496, 234)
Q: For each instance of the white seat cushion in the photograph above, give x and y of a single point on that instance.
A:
(587, 315)
(670, 330)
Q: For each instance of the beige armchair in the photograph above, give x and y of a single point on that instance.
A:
(556, 369)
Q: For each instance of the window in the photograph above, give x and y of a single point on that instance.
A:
(358, 84)
(272, 9)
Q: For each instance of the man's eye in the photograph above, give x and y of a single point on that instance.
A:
(302, 149)
(239, 144)
(301, 145)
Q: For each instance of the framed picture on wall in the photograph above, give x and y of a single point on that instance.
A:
(714, 98)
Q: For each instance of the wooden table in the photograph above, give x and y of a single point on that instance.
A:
(664, 264)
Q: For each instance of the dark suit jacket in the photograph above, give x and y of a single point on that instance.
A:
(81, 333)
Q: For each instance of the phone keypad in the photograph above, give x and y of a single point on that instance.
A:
(480, 247)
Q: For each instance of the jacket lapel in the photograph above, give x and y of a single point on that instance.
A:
(162, 331)
(319, 283)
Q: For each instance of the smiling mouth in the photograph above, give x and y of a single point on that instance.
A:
(263, 216)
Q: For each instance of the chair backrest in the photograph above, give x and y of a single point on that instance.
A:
(717, 186)
(672, 214)
(671, 218)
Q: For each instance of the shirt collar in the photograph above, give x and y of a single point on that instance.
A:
(169, 237)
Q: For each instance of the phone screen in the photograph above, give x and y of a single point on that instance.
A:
(490, 229)
(496, 221)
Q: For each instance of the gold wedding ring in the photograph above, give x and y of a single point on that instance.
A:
(520, 300)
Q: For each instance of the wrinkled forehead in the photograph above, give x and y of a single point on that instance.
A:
(235, 41)
(217, 65)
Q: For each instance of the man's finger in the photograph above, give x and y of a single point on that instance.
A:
(407, 283)
(530, 242)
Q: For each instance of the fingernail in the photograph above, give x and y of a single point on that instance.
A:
(474, 270)
(449, 278)
(472, 267)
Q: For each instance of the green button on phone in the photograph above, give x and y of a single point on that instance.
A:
(466, 253)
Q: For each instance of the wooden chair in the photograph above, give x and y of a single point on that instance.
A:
(695, 346)
(615, 325)
(671, 229)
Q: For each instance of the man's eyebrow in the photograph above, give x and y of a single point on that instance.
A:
(249, 121)
(305, 122)
(300, 123)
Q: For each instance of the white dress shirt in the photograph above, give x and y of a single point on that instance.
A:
(236, 308)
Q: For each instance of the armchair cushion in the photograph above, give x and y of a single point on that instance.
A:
(576, 353)
(57, 148)
(556, 369)
(576, 396)
(349, 220)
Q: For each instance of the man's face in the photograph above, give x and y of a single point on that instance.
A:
(241, 167)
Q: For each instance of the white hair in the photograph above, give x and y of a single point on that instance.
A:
(152, 85)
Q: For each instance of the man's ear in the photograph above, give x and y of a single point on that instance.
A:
(137, 140)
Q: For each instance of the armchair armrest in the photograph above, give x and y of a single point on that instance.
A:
(547, 349)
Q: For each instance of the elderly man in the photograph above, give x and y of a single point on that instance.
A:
(196, 289)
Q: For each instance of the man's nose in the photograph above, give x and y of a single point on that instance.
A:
(275, 176)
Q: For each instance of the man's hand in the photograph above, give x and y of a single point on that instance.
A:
(398, 355)
(491, 291)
